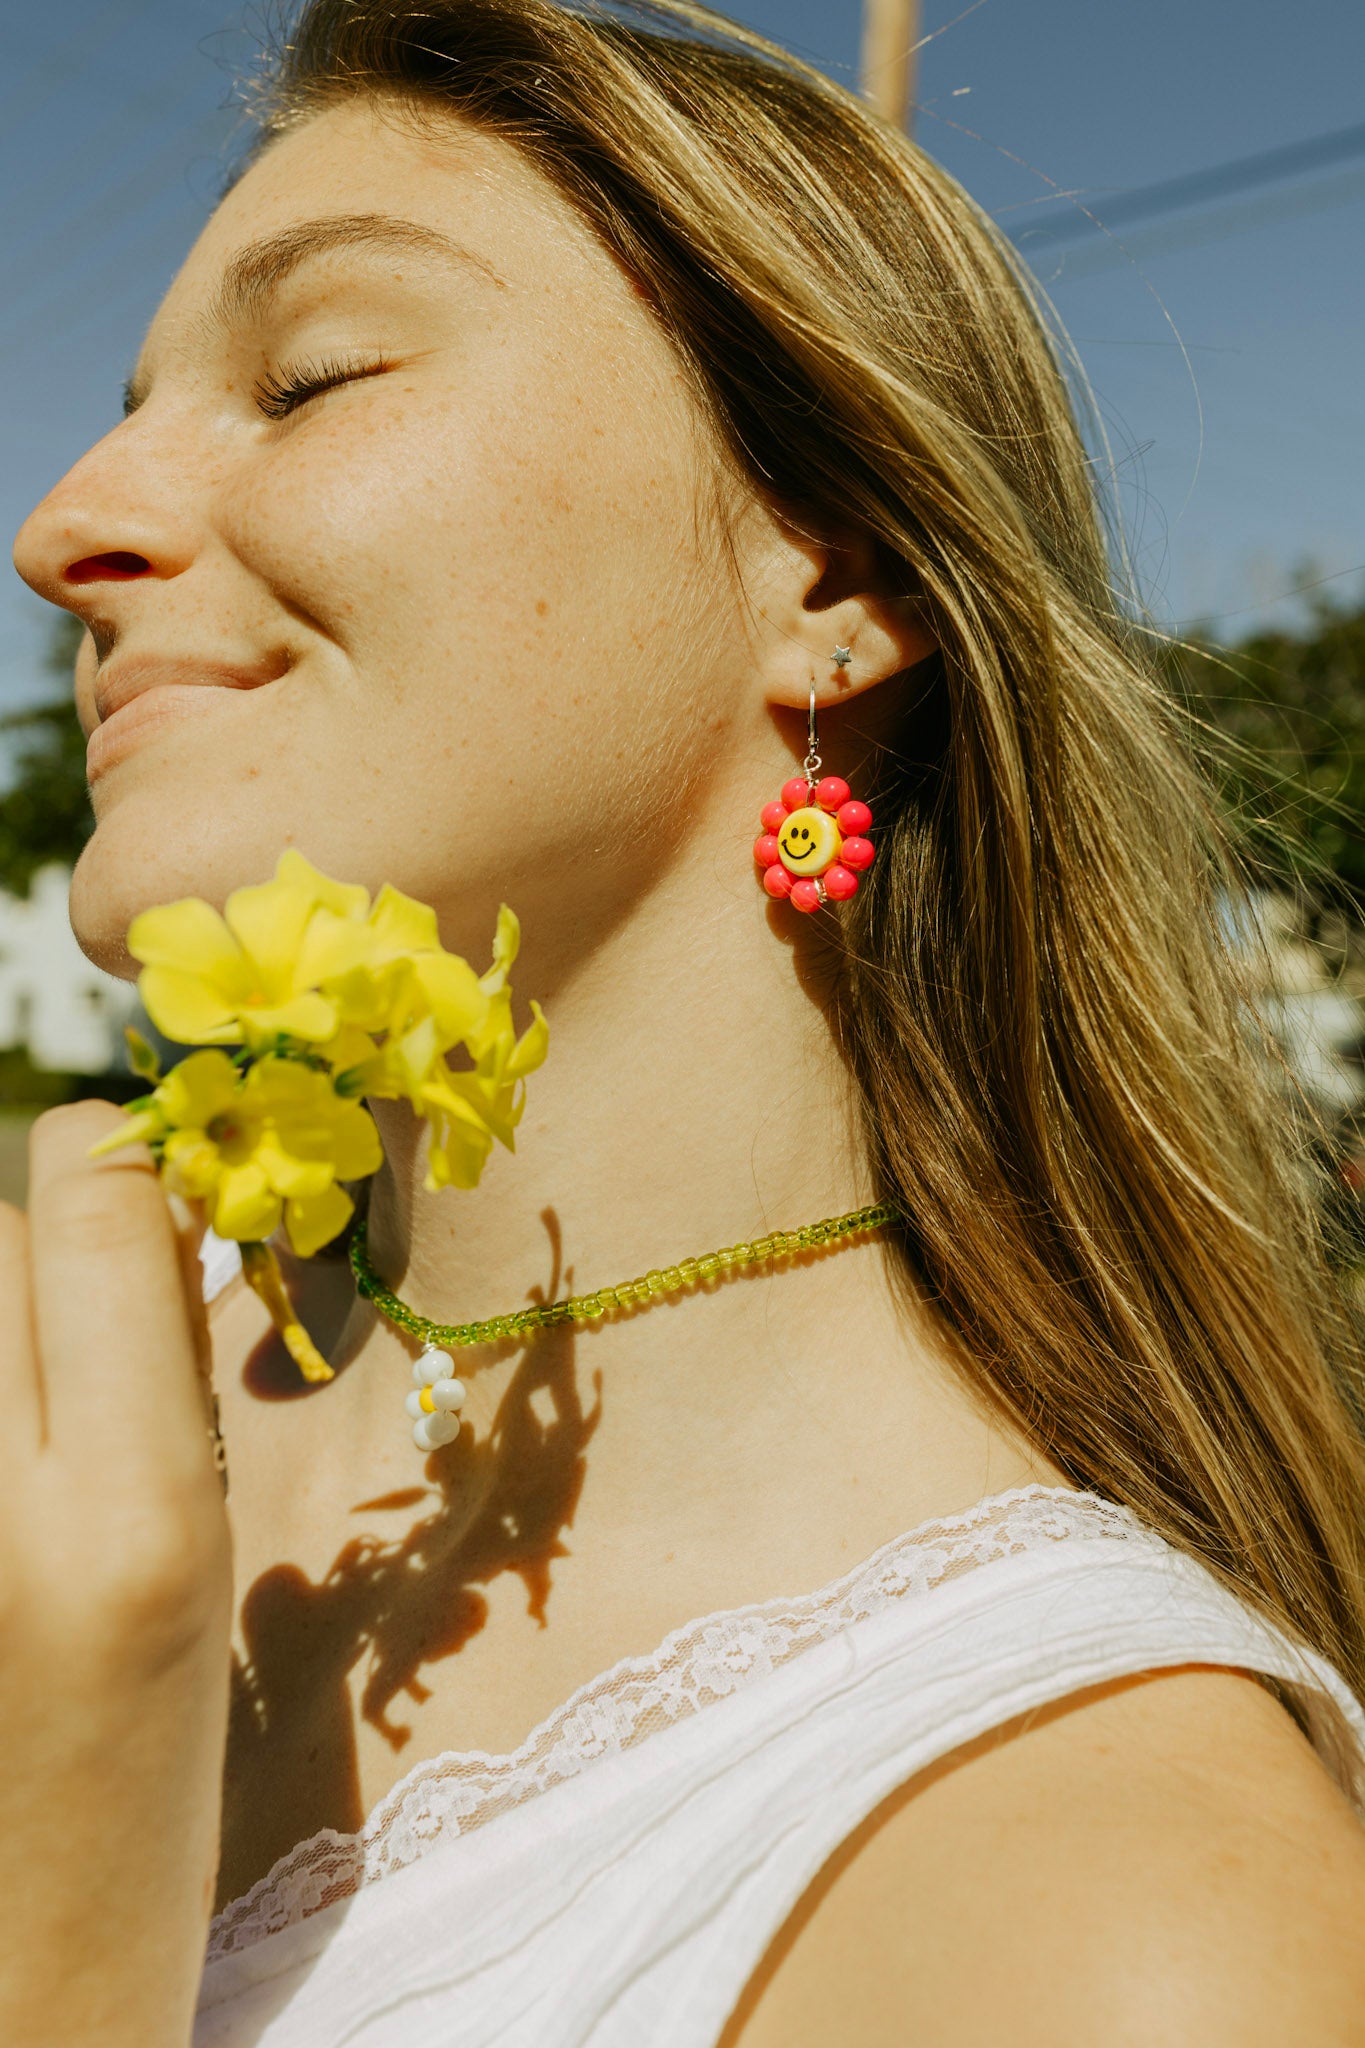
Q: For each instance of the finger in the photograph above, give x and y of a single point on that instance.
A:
(21, 1394)
(114, 1335)
(187, 1219)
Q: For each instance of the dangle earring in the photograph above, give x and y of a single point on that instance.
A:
(813, 845)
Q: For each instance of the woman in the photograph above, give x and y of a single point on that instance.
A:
(557, 410)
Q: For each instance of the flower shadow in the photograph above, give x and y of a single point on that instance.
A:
(391, 1608)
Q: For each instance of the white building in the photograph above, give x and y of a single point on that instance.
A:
(69, 1014)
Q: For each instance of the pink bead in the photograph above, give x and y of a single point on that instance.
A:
(777, 881)
(795, 793)
(853, 819)
(767, 850)
(857, 853)
(804, 895)
(830, 792)
(773, 817)
(840, 882)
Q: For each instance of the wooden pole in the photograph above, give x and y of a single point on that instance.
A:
(890, 32)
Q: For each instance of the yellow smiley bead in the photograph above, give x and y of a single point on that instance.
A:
(809, 841)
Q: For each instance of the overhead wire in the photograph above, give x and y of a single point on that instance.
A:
(1193, 188)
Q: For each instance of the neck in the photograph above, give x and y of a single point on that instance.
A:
(665, 1122)
(678, 1112)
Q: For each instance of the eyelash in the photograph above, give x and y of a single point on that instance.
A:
(279, 393)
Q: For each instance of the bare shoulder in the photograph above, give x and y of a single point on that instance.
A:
(1162, 1860)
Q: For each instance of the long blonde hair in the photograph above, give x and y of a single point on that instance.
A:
(1104, 1194)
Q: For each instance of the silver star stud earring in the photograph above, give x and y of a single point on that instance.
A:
(843, 656)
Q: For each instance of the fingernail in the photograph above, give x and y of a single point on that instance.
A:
(188, 1220)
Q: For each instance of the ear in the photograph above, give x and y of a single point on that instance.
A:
(823, 599)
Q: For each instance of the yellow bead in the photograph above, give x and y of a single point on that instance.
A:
(808, 841)
(425, 1398)
(762, 1248)
(709, 1266)
(673, 1279)
(689, 1270)
(655, 1281)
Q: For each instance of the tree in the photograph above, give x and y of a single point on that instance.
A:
(45, 813)
(1287, 713)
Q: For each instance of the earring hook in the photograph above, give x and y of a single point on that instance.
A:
(812, 760)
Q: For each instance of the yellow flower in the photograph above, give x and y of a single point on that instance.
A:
(388, 970)
(467, 1110)
(374, 994)
(245, 975)
(264, 1147)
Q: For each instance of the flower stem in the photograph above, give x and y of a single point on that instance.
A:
(263, 1276)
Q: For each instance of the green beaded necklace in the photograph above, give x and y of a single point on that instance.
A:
(631, 1294)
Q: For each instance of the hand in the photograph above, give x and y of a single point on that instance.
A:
(115, 1604)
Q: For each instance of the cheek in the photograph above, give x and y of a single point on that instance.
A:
(499, 612)
(519, 561)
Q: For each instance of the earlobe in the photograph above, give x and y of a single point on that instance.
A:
(866, 640)
(850, 632)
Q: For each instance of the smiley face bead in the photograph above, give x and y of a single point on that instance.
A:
(813, 844)
(809, 841)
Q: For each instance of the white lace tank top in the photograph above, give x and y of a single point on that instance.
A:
(617, 1880)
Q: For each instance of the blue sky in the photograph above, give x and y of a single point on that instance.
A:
(1226, 343)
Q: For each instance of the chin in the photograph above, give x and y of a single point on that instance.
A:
(142, 854)
(109, 887)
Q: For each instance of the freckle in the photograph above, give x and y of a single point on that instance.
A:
(542, 606)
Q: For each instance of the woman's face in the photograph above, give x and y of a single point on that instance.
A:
(402, 555)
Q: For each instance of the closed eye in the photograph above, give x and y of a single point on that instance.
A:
(279, 393)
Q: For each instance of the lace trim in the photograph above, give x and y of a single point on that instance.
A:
(697, 1664)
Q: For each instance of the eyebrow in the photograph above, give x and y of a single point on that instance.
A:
(253, 276)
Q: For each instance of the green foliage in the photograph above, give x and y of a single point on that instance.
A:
(1288, 712)
(45, 813)
(24, 1086)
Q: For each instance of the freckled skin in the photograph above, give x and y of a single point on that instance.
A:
(809, 841)
(491, 547)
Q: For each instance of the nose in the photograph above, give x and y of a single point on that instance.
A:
(114, 520)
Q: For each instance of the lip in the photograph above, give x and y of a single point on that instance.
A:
(136, 698)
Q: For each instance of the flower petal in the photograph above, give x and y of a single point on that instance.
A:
(456, 1155)
(350, 1048)
(453, 993)
(401, 925)
(148, 1123)
(244, 1206)
(290, 1175)
(269, 919)
(314, 1222)
(532, 1046)
(356, 1149)
(506, 946)
(412, 1056)
(189, 936)
(191, 1164)
(186, 1007)
(333, 947)
(345, 899)
(200, 1088)
(306, 1016)
(369, 998)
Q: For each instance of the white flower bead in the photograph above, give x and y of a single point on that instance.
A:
(413, 1404)
(434, 1430)
(448, 1395)
(434, 1364)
